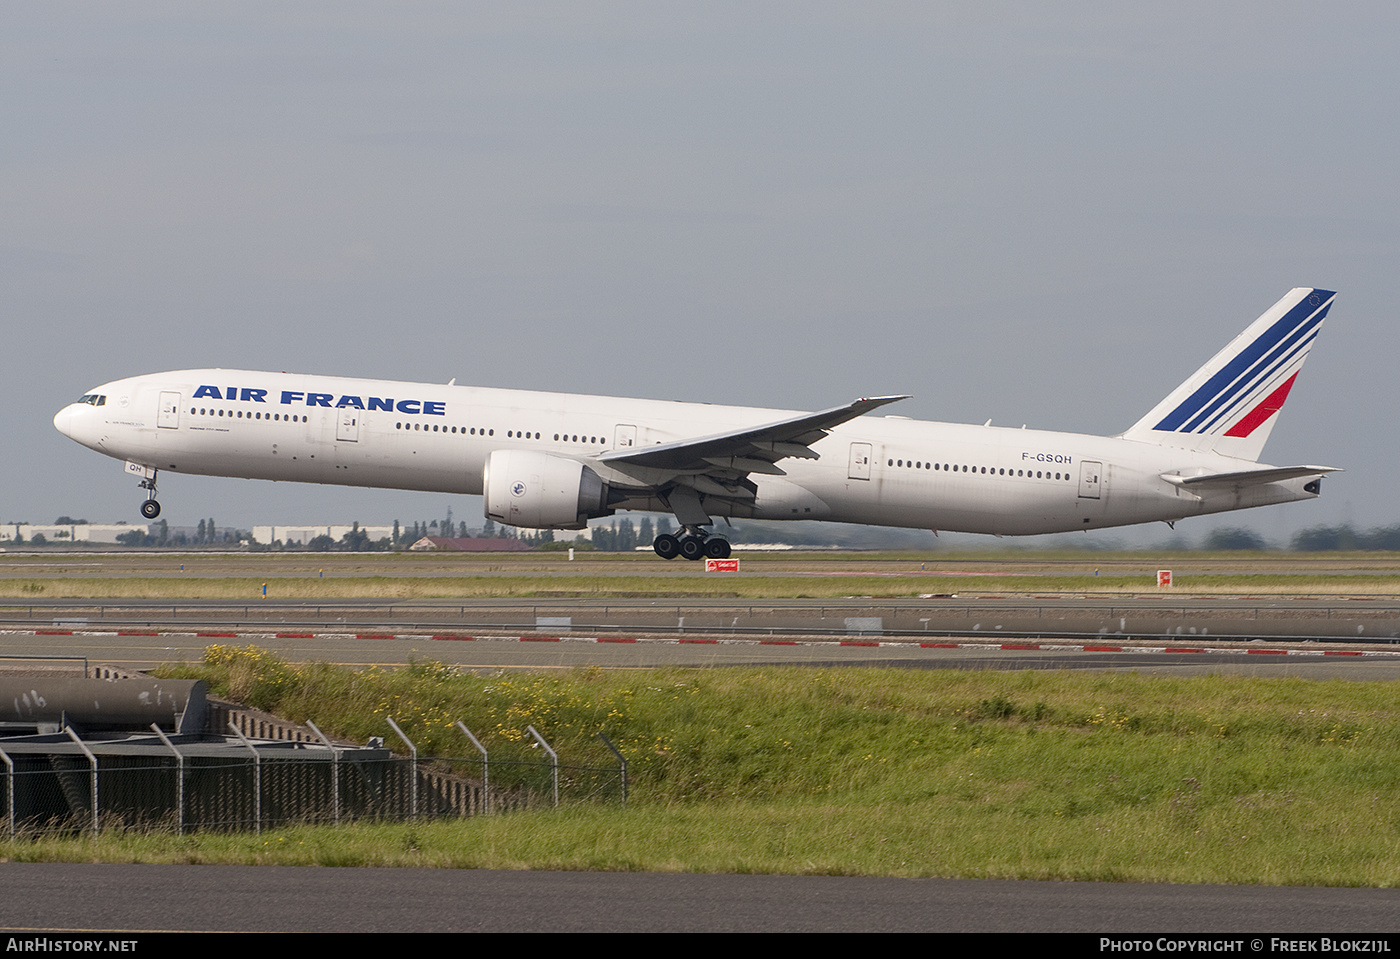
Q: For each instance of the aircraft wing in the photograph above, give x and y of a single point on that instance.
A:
(718, 465)
(1247, 477)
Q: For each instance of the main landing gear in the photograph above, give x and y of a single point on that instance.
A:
(150, 509)
(693, 543)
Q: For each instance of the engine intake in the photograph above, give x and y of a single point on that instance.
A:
(542, 490)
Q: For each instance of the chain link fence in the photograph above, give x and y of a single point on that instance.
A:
(232, 786)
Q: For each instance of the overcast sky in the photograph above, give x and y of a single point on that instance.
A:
(1039, 213)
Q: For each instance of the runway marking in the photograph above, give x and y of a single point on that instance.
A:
(906, 644)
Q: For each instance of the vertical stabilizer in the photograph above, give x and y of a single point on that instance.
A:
(1230, 404)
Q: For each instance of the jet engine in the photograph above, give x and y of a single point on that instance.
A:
(542, 490)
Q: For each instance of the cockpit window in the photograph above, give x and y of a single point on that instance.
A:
(93, 399)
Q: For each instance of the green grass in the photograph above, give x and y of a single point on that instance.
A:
(865, 772)
(696, 584)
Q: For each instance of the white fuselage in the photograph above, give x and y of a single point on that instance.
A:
(879, 470)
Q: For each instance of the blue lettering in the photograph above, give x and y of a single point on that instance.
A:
(407, 406)
(318, 399)
(289, 397)
(350, 401)
(253, 396)
(435, 409)
(210, 391)
(378, 403)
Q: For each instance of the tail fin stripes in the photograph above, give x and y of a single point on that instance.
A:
(1228, 405)
(1271, 405)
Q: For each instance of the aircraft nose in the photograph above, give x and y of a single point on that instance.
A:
(64, 420)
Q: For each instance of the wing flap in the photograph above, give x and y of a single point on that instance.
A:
(749, 450)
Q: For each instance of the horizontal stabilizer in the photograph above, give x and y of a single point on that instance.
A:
(1245, 478)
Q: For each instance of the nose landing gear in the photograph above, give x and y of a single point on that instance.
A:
(150, 509)
(693, 543)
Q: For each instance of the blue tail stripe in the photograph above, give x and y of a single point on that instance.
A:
(1270, 338)
(1229, 378)
(1258, 372)
(1299, 350)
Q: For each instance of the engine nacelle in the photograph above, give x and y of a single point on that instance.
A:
(542, 491)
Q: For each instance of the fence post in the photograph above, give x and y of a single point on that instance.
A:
(257, 778)
(9, 791)
(623, 763)
(93, 761)
(179, 781)
(335, 770)
(485, 771)
(554, 761)
(412, 771)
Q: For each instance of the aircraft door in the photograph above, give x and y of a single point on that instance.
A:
(860, 461)
(169, 415)
(1090, 474)
(347, 427)
(626, 437)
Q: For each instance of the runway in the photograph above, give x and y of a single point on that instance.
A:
(130, 900)
(557, 646)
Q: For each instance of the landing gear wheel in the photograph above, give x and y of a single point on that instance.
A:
(717, 548)
(667, 546)
(692, 547)
(149, 509)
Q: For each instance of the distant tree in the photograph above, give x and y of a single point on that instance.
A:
(1316, 539)
(135, 537)
(356, 540)
(321, 544)
(397, 534)
(199, 532)
(1382, 537)
(38, 539)
(69, 521)
(1235, 538)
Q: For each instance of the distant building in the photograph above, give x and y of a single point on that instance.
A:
(454, 544)
(57, 534)
(289, 535)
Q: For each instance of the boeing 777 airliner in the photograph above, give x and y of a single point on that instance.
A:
(556, 460)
